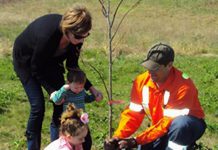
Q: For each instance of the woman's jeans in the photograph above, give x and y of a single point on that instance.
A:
(87, 145)
(34, 93)
(183, 132)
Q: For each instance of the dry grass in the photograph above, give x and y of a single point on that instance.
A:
(7, 1)
(5, 48)
(187, 31)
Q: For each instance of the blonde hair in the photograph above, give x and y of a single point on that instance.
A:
(70, 121)
(77, 20)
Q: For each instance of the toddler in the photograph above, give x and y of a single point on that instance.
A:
(73, 91)
(73, 130)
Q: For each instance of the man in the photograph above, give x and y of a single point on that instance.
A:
(169, 98)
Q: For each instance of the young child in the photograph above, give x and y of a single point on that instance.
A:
(73, 130)
(74, 92)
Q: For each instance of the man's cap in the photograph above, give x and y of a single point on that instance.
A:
(159, 54)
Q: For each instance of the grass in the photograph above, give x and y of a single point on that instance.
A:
(125, 69)
(189, 26)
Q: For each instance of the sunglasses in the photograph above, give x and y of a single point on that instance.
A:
(79, 37)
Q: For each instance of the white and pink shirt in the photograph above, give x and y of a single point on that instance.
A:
(62, 144)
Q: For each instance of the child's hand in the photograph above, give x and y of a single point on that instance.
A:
(52, 95)
(67, 86)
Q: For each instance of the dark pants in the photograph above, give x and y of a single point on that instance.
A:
(87, 145)
(183, 132)
(34, 93)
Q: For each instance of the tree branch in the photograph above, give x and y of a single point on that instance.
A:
(104, 11)
(115, 13)
(99, 76)
(133, 6)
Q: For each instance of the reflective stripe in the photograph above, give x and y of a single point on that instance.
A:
(166, 97)
(145, 97)
(139, 147)
(176, 112)
(175, 146)
(145, 101)
(135, 107)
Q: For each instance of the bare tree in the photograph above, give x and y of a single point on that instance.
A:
(111, 17)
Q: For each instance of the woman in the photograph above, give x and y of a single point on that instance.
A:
(38, 56)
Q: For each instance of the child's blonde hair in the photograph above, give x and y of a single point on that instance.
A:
(70, 121)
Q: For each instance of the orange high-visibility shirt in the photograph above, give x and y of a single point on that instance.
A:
(177, 96)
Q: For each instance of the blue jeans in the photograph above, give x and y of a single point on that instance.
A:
(34, 93)
(184, 130)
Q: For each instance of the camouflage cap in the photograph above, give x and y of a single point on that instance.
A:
(159, 54)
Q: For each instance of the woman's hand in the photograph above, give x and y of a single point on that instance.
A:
(98, 95)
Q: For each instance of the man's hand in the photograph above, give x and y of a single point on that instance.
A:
(127, 143)
(111, 144)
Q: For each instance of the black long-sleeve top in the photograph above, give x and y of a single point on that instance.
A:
(35, 49)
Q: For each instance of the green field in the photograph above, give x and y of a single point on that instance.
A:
(190, 26)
